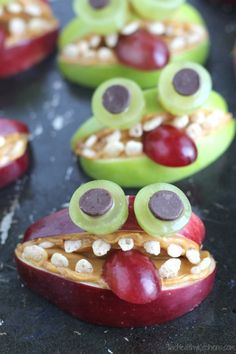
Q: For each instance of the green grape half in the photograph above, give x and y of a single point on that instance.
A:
(111, 221)
(156, 9)
(105, 20)
(149, 222)
(177, 103)
(130, 116)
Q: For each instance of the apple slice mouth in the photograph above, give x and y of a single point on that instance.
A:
(95, 49)
(25, 20)
(12, 147)
(81, 257)
(110, 144)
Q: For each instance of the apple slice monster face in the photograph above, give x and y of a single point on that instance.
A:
(136, 138)
(131, 39)
(139, 261)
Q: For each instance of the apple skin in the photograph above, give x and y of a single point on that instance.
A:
(17, 168)
(93, 76)
(14, 170)
(146, 171)
(26, 54)
(102, 306)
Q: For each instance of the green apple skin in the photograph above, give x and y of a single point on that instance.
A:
(92, 76)
(140, 171)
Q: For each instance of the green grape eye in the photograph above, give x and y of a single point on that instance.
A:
(118, 103)
(156, 9)
(102, 16)
(162, 209)
(184, 87)
(99, 207)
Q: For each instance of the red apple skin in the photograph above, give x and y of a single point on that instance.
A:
(18, 167)
(12, 126)
(26, 54)
(14, 170)
(102, 306)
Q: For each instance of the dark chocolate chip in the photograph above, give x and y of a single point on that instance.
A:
(186, 82)
(116, 99)
(96, 202)
(99, 4)
(166, 205)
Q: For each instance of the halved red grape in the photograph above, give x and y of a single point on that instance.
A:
(132, 277)
(169, 146)
(142, 50)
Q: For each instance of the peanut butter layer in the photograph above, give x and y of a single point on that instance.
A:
(12, 147)
(56, 245)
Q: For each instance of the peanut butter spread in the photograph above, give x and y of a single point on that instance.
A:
(50, 248)
(12, 147)
(108, 143)
(25, 19)
(94, 49)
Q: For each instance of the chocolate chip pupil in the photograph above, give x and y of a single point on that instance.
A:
(99, 4)
(186, 82)
(116, 99)
(166, 205)
(96, 202)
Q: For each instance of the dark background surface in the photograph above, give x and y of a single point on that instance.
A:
(53, 109)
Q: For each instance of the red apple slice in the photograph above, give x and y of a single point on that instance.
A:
(16, 168)
(23, 56)
(102, 306)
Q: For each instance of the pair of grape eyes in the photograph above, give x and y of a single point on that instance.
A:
(100, 207)
(114, 13)
(119, 103)
(116, 98)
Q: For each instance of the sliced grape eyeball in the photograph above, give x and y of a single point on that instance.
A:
(184, 87)
(156, 9)
(118, 103)
(162, 209)
(99, 207)
(102, 16)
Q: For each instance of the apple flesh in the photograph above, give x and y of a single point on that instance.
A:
(24, 55)
(101, 306)
(16, 168)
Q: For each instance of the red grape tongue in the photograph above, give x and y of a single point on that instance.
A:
(132, 277)
(142, 50)
(169, 146)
